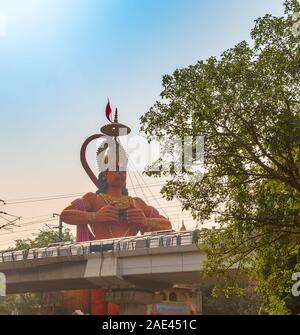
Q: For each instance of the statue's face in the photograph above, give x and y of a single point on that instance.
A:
(116, 178)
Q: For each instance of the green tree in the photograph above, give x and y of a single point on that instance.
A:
(246, 104)
(246, 304)
(44, 238)
(32, 303)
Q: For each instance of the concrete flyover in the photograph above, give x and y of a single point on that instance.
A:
(151, 269)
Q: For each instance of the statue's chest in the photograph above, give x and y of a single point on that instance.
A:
(121, 204)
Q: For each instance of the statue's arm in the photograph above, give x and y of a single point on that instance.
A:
(80, 210)
(154, 220)
(156, 224)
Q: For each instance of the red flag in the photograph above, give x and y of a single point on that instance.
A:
(108, 111)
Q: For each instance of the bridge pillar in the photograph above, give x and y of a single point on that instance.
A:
(197, 301)
(133, 302)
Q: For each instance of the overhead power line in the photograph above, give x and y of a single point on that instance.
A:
(8, 223)
(62, 196)
(37, 216)
(14, 216)
(28, 229)
(31, 223)
(42, 199)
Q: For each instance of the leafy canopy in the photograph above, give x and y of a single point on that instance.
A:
(246, 104)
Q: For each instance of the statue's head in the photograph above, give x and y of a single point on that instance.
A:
(113, 178)
(112, 167)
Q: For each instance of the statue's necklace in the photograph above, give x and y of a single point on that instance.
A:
(123, 202)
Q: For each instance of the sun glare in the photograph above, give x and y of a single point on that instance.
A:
(30, 16)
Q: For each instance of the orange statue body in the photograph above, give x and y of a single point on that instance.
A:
(102, 211)
(111, 212)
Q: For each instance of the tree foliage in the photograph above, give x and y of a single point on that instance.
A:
(32, 303)
(246, 104)
(44, 238)
(245, 304)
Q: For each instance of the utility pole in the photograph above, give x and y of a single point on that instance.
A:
(60, 227)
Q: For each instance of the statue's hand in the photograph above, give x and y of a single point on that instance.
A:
(136, 217)
(107, 213)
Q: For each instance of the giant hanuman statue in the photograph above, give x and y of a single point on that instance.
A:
(110, 212)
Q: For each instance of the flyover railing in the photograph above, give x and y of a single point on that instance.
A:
(149, 241)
